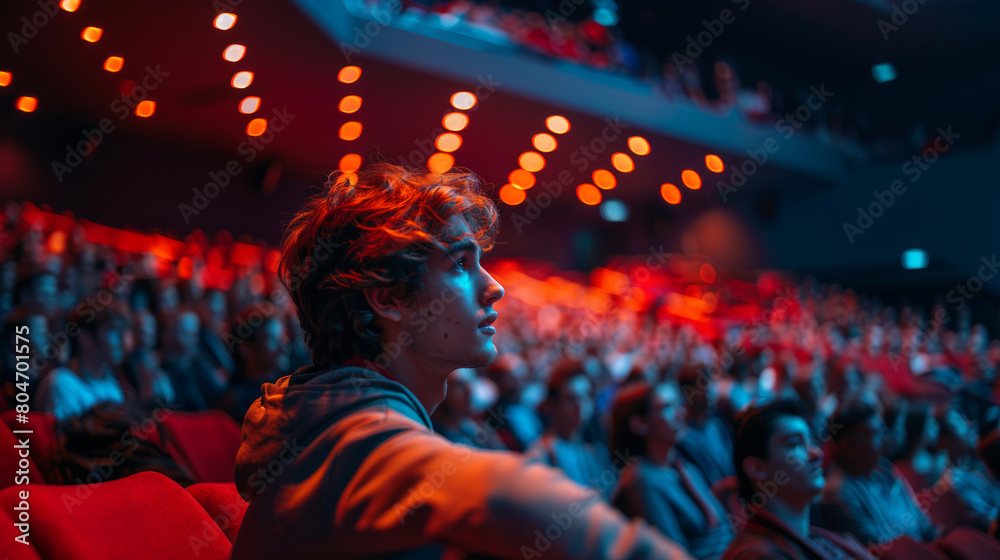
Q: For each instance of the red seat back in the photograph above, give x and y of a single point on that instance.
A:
(207, 442)
(223, 503)
(145, 515)
(905, 548)
(43, 438)
(966, 543)
(11, 461)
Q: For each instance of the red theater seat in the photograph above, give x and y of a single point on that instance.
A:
(966, 543)
(10, 458)
(223, 503)
(205, 441)
(905, 548)
(43, 440)
(146, 516)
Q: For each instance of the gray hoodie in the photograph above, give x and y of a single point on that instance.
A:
(344, 464)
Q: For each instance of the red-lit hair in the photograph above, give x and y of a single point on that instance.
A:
(372, 230)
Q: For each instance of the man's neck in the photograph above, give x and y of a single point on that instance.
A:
(793, 514)
(428, 385)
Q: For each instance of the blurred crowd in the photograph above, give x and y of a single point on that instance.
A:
(628, 380)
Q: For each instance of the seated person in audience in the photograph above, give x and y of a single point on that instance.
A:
(384, 269)
(196, 383)
(865, 494)
(38, 291)
(778, 464)
(569, 405)
(142, 365)
(706, 443)
(522, 426)
(972, 492)
(658, 485)
(214, 330)
(454, 420)
(920, 463)
(259, 343)
(96, 375)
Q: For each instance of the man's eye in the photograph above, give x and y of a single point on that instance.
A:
(459, 263)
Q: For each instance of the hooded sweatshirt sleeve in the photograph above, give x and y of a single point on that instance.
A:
(416, 487)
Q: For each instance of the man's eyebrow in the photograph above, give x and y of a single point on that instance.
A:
(461, 247)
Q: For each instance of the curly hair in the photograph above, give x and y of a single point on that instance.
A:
(373, 229)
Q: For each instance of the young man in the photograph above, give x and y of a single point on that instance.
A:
(339, 459)
(778, 466)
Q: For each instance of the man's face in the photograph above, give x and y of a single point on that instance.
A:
(862, 446)
(791, 449)
(451, 322)
(666, 414)
(574, 404)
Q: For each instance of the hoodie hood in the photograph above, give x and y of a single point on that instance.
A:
(296, 409)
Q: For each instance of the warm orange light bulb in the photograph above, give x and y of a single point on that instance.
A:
(224, 21)
(70, 5)
(256, 127)
(350, 130)
(5, 79)
(588, 194)
(670, 193)
(145, 108)
(114, 63)
(638, 145)
(531, 161)
(250, 104)
(455, 121)
(714, 163)
(448, 142)
(92, 34)
(350, 104)
(521, 179)
(234, 53)
(604, 179)
(26, 104)
(512, 195)
(350, 163)
(440, 162)
(622, 162)
(691, 179)
(242, 80)
(544, 142)
(349, 74)
(558, 124)
(463, 100)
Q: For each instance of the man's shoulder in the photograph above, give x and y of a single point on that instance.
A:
(757, 542)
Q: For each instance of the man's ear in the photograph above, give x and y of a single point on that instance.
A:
(755, 469)
(385, 303)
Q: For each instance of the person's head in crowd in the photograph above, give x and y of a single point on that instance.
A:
(922, 430)
(846, 381)
(508, 371)
(166, 298)
(646, 419)
(569, 402)
(39, 290)
(698, 392)
(180, 333)
(776, 456)
(260, 340)
(144, 327)
(896, 412)
(214, 312)
(636, 375)
(957, 436)
(858, 437)
(391, 253)
(810, 385)
(101, 341)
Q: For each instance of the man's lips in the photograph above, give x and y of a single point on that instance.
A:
(486, 325)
